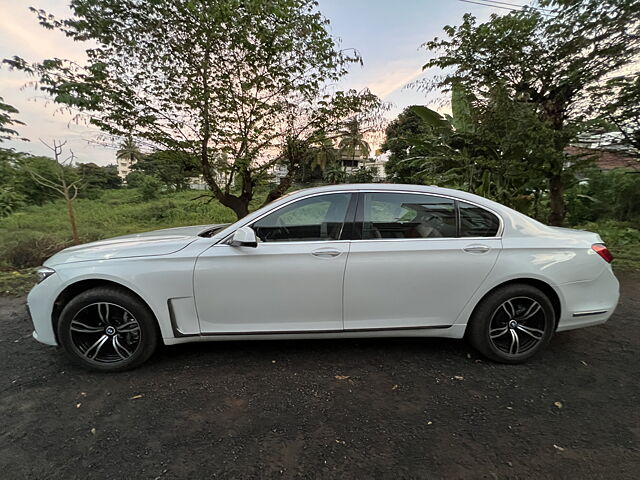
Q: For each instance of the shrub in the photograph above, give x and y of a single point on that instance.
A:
(10, 200)
(30, 249)
(613, 195)
(362, 175)
(150, 188)
(134, 179)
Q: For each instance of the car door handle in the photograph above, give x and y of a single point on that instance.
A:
(476, 249)
(326, 253)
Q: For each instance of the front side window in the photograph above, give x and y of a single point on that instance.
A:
(477, 222)
(407, 215)
(319, 218)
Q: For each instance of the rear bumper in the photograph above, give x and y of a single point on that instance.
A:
(590, 302)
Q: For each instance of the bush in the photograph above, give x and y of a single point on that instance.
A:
(30, 249)
(362, 175)
(150, 188)
(613, 195)
(10, 200)
(134, 179)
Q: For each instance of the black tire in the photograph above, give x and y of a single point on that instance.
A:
(111, 325)
(508, 327)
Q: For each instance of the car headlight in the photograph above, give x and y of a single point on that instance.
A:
(43, 273)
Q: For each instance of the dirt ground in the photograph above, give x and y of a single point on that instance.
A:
(327, 409)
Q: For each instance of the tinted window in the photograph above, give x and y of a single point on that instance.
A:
(477, 222)
(406, 215)
(311, 219)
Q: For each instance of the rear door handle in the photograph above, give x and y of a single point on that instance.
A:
(476, 249)
(326, 253)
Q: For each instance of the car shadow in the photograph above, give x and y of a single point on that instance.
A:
(315, 350)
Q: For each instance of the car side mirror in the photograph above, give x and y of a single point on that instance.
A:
(244, 237)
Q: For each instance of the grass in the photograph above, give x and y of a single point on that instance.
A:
(116, 212)
(16, 282)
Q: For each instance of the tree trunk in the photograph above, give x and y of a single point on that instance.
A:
(239, 205)
(72, 220)
(556, 200)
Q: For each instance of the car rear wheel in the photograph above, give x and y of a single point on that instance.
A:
(107, 329)
(512, 324)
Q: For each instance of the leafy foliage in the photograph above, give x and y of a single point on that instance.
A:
(362, 175)
(173, 168)
(605, 195)
(149, 188)
(550, 62)
(234, 77)
(7, 120)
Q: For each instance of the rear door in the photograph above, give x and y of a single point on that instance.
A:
(418, 261)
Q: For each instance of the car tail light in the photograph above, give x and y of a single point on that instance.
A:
(603, 251)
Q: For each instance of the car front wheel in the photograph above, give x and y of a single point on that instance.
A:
(512, 324)
(107, 329)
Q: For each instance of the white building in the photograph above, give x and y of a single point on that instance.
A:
(124, 167)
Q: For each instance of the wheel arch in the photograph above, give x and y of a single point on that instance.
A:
(541, 285)
(76, 288)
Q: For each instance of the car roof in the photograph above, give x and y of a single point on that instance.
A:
(399, 187)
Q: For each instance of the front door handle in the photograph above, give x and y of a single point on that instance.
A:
(326, 253)
(476, 249)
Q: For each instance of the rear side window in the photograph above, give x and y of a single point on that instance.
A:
(477, 222)
(407, 215)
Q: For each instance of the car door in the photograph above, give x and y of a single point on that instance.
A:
(291, 282)
(419, 260)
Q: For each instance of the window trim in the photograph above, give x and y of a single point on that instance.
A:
(359, 220)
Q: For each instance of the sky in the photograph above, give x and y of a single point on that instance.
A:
(386, 33)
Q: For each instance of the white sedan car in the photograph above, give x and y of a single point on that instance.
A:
(341, 261)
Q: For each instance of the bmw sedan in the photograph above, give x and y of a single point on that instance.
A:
(340, 261)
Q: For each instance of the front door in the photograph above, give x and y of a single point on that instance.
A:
(292, 281)
(420, 260)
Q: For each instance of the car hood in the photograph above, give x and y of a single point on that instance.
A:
(157, 242)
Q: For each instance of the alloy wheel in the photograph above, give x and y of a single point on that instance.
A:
(104, 332)
(518, 325)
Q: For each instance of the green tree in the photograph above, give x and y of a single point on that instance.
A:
(63, 183)
(24, 183)
(335, 173)
(99, 178)
(362, 175)
(172, 167)
(399, 137)
(134, 179)
(203, 77)
(618, 103)
(352, 143)
(149, 188)
(547, 61)
(129, 151)
(498, 149)
(7, 120)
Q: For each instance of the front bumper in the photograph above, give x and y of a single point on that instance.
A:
(40, 303)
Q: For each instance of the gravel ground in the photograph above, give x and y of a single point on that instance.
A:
(327, 409)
